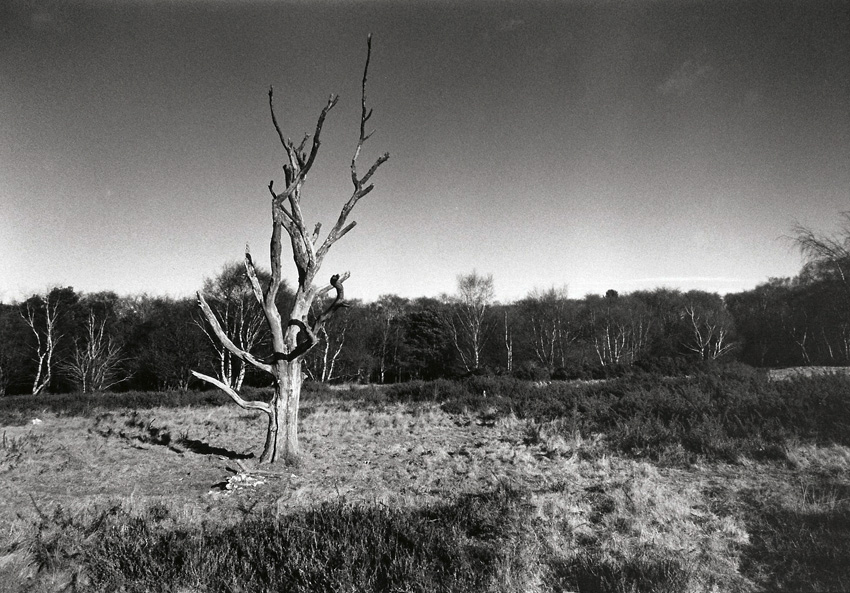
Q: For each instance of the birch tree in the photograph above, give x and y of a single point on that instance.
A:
(41, 314)
(620, 327)
(552, 329)
(390, 309)
(96, 360)
(710, 331)
(294, 335)
(475, 294)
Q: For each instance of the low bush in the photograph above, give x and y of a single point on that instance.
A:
(458, 547)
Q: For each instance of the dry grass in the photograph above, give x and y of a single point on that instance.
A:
(810, 371)
(601, 522)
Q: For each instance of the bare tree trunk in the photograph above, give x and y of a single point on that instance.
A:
(282, 433)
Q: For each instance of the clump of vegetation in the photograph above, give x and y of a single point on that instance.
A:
(614, 536)
(467, 545)
(720, 413)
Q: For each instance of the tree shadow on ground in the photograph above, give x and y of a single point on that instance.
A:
(202, 448)
(137, 430)
(806, 548)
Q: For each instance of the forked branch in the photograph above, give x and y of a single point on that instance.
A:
(299, 162)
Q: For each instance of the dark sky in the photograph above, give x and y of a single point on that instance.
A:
(598, 145)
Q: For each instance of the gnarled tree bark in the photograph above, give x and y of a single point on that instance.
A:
(293, 338)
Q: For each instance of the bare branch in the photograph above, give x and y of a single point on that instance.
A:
(340, 228)
(338, 302)
(364, 115)
(381, 160)
(311, 337)
(242, 403)
(303, 143)
(253, 278)
(350, 226)
(277, 202)
(226, 341)
(315, 148)
(274, 119)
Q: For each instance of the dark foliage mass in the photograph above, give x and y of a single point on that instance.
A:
(153, 343)
(157, 342)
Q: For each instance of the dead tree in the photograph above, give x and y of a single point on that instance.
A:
(293, 337)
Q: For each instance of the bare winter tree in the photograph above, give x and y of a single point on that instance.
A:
(475, 293)
(294, 337)
(231, 298)
(509, 343)
(828, 256)
(44, 328)
(95, 363)
(390, 309)
(328, 351)
(710, 331)
(620, 329)
(831, 251)
(551, 324)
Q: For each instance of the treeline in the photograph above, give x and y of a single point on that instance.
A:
(70, 341)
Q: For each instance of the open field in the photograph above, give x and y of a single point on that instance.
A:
(413, 496)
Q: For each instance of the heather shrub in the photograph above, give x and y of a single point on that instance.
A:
(459, 546)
